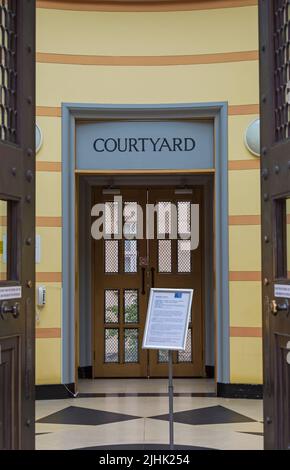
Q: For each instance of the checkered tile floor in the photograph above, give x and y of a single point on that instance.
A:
(128, 420)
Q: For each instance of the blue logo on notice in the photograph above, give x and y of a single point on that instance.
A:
(178, 295)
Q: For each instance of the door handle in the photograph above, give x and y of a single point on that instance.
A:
(277, 307)
(143, 281)
(152, 277)
(5, 310)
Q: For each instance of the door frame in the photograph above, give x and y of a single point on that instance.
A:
(73, 112)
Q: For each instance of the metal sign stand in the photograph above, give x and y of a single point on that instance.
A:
(170, 395)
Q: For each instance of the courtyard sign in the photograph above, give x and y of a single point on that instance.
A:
(144, 144)
(106, 145)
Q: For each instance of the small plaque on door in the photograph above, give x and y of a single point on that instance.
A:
(282, 290)
(10, 292)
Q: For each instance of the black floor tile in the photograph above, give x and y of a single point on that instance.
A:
(85, 416)
(209, 415)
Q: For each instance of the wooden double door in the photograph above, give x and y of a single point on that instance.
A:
(144, 244)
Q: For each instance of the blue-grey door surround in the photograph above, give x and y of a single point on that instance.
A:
(73, 113)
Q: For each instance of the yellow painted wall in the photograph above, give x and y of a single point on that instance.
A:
(147, 33)
(48, 361)
(152, 34)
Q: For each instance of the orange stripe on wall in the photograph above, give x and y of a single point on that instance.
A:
(48, 277)
(48, 333)
(244, 164)
(245, 332)
(242, 109)
(44, 221)
(245, 276)
(125, 61)
(235, 110)
(151, 5)
(244, 220)
(40, 221)
(48, 221)
(48, 166)
(49, 111)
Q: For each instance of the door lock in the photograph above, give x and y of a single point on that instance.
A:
(279, 306)
(5, 309)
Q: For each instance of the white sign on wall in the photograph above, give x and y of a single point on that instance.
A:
(10, 292)
(167, 319)
(282, 290)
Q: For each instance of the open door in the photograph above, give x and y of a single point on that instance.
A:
(275, 195)
(17, 223)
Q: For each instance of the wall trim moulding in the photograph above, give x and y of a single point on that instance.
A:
(72, 113)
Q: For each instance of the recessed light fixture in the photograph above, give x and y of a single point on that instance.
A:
(252, 137)
(38, 138)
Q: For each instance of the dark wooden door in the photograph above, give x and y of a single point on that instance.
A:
(275, 195)
(119, 286)
(17, 223)
(125, 269)
(173, 264)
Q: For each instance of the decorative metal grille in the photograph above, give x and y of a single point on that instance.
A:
(183, 214)
(186, 356)
(131, 305)
(111, 216)
(164, 256)
(130, 219)
(111, 256)
(183, 256)
(282, 68)
(130, 256)
(111, 345)
(131, 345)
(8, 67)
(111, 306)
(164, 224)
(163, 356)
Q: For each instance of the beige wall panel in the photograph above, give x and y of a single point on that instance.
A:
(245, 304)
(48, 194)
(246, 360)
(244, 192)
(50, 259)
(234, 82)
(48, 361)
(151, 33)
(244, 248)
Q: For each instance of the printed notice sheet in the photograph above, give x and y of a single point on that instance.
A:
(167, 319)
